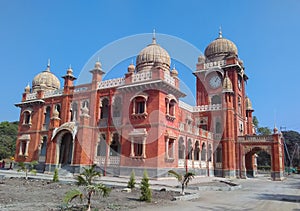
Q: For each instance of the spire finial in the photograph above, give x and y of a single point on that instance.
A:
(131, 61)
(48, 65)
(70, 66)
(174, 67)
(220, 32)
(153, 37)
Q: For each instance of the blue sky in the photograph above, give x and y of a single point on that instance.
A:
(71, 32)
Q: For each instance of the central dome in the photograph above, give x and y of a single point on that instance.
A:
(45, 80)
(220, 48)
(151, 55)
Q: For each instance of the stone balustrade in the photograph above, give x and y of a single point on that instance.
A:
(169, 79)
(255, 138)
(110, 83)
(31, 96)
(53, 93)
(142, 76)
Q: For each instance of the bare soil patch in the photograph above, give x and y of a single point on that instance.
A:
(35, 194)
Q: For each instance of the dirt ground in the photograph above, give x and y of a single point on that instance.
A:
(16, 194)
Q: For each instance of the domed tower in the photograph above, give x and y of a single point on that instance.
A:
(151, 56)
(45, 81)
(220, 49)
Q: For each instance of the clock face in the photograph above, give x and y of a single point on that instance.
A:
(215, 82)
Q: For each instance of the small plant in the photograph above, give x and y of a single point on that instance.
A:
(28, 168)
(131, 183)
(183, 179)
(85, 179)
(145, 188)
(55, 176)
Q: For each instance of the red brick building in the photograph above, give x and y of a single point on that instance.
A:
(139, 122)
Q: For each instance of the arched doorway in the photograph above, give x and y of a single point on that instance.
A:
(65, 146)
(251, 161)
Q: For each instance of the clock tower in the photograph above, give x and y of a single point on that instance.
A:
(220, 91)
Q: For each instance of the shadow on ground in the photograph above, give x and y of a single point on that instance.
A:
(280, 197)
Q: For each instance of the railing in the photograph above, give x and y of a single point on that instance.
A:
(203, 164)
(196, 164)
(31, 96)
(202, 108)
(52, 93)
(80, 89)
(142, 76)
(169, 79)
(111, 83)
(181, 162)
(255, 138)
(111, 161)
(213, 107)
(215, 64)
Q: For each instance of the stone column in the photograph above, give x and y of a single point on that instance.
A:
(132, 147)
(26, 148)
(144, 147)
(167, 148)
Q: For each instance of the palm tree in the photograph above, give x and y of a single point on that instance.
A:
(183, 179)
(27, 168)
(86, 179)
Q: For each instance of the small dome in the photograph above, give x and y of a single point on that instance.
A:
(248, 104)
(131, 68)
(151, 55)
(45, 80)
(98, 65)
(220, 48)
(227, 84)
(27, 89)
(174, 72)
(201, 59)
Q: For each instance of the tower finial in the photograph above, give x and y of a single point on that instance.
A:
(153, 37)
(220, 32)
(48, 65)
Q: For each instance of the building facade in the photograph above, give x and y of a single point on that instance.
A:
(138, 121)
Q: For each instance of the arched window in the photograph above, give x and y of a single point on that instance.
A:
(58, 108)
(47, 116)
(117, 107)
(216, 99)
(74, 112)
(27, 117)
(181, 149)
(218, 127)
(115, 145)
(219, 154)
(190, 149)
(44, 146)
(209, 152)
(139, 104)
(196, 151)
(203, 152)
(104, 109)
(101, 148)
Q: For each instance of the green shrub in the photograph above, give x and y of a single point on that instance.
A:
(145, 188)
(55, 176)
(131, 183)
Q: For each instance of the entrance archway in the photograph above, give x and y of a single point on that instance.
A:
(65, 149)
(252, 157)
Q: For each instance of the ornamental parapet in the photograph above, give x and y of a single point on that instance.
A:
(142, 76)
(256, 138)
(110, 83)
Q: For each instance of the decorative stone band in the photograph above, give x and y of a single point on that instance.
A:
(31, 96)
(142, 76)
(255, 138)
(215, 64)
(53, 93)
(169, 79)
(111, 83)
(202, 108)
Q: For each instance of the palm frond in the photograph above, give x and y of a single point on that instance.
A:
(99, 189)
(188, 177)
(175, 174)
(80, 180)
(72, 194)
